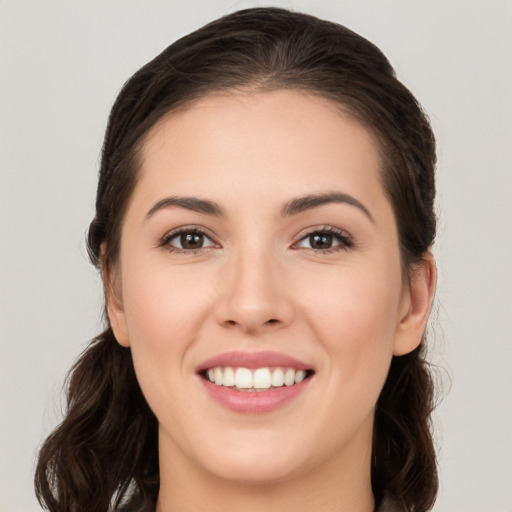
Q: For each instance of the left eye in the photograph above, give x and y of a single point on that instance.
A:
(324, 240)
(189, 240)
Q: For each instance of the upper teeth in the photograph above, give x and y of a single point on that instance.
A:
(258, 378)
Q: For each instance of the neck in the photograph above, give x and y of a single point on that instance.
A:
(334, 487)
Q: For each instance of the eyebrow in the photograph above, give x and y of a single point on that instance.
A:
(292, 207)
(189, 203)
(301, 204)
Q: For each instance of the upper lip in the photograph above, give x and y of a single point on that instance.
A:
(240, 359)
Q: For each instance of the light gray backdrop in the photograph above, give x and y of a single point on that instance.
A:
(61, 65)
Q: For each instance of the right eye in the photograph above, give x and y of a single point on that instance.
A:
(187, 240)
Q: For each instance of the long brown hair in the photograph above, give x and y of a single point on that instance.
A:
(104, 453)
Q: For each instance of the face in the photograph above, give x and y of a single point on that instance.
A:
(259, 251)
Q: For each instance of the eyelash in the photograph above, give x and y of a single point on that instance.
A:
(345, 240)
(186, 230)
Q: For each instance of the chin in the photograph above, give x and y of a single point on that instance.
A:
(255, 471)
(253, 460)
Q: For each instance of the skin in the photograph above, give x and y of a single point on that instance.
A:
(257, 284)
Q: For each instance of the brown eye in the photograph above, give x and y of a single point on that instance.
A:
(320, 241)
(189, 241)
(325, 240)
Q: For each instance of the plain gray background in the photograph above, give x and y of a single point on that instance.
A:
(61, 65)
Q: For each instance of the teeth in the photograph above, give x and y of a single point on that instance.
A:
(243, 378)
(300, 376)
(257, 379)
(229, 377)
(262, 378)
(289, 377)
(218, 376)
(278, 378)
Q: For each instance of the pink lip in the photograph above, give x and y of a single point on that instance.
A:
(253, 360)
(258, 401)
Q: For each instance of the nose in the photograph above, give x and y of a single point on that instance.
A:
(254, 297)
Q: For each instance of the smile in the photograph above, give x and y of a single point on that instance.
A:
(259, 379)
(254, 382)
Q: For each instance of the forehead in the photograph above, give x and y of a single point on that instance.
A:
(264, 135)
(252, 154)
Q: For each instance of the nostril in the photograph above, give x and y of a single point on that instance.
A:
(251, 324)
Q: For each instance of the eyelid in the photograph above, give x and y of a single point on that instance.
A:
(190, 228)
(347, 241)
(344, 237)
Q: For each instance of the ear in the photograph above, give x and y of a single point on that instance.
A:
(113, 300)
(416, 303)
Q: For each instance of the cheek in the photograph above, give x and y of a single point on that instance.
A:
(354, 314)
(355, 302)
(164, 310)
(160, 300)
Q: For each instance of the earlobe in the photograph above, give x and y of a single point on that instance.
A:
(113, 300)
(413, 322)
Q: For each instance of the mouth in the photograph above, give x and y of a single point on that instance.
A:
(254, 382)
(255, 379)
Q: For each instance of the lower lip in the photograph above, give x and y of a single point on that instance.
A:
(255, 402)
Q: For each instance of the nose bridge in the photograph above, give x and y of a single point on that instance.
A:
(253, 295)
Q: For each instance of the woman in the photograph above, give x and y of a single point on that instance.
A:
(263, 222)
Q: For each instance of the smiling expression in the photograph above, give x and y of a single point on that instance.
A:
(259, 240)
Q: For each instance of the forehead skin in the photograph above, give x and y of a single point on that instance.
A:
(222, 126)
